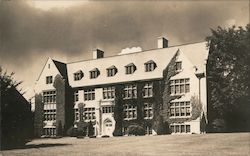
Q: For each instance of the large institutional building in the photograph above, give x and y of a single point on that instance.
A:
(164, 85)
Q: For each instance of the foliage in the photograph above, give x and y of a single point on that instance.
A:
(59, 128)
(135, 130)
(72, 131)
(7, 81)
(219, 125)
(16, 116)
(196, 107)
(228, 76)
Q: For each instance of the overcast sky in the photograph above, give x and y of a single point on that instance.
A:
(32, 31)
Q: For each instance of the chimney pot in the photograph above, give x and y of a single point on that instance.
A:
(98, 54)
(162, 42)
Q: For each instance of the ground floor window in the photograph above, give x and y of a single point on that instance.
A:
(49, 131)
(148, 130)
(180, 128)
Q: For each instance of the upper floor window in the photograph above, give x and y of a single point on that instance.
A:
(148, 90)
(108, 92)
(77, 115)
(130, 91)
(49, 79)
(130, 68)
(94, 73)
(89, 94)
(107, 109)
(49, 115)
(89, 113)
(130, 112)
(180, 109)
(111, 71)
(178, 66)
(78, 75)
(49, 97)
(148, 110)
(179, 86)
(150, 66)
(76, 96)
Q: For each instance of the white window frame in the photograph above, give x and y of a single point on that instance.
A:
(130, 112)
(107, 109)
(130, 91)
(49, 97)
(89, 114)
(76, 96)
(180, 109)
(148, 111)
(179, 86)
(78, 76)
(89, 94)
(180, 128)
(109, 92)
(49, 79)
(178, 66)
(148, 90)
(130, 69)
(50, 115)
(111, 71)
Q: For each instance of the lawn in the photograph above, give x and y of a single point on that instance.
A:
(165, 145)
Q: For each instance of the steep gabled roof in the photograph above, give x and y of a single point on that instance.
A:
(62, 68)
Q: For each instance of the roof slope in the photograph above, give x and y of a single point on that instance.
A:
(62, 68)
(197, 54)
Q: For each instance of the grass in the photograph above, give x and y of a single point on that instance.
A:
(237, 144)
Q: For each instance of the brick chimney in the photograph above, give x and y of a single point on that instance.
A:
(162, 42)
(98, 54)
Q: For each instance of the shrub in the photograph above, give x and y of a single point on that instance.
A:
(136, 130)
(219, 125)
(72, 131)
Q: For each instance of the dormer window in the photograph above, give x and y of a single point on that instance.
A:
(94, 73)
(150, 66)
(178, 66)
(49, 79)
(130, 68)
(78, 75)
(111, 71)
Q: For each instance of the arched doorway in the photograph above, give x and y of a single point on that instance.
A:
(108, 127)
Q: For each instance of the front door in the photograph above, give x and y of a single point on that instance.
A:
(108, 127)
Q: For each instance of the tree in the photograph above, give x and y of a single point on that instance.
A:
(16, 116)
(228, 77)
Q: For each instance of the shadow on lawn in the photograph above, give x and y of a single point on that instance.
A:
(37, 146)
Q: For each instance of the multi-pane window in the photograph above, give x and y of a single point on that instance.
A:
(148, 110)
(180, 109)
(148, 130)
(179, 86)
(78, 75)
(148, 90)
(130, 68)
(108, 92)
(49, 79)
(89, 94)
(178, 66)
(76, 96)
(94, 73)
(111, 71)
(180, 128)
(130, 112)
(49, 97)
(150, 66)
(49, 131)
(107, 109)
(89, 113)
(130, 91)
(49, 115)
(77, 114)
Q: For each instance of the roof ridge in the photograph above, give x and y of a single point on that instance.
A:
(136, 52)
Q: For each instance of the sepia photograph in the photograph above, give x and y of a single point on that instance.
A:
(125, 77)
